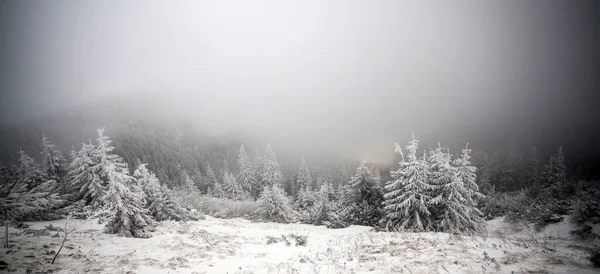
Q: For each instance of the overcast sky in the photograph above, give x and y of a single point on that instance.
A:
(360, 74)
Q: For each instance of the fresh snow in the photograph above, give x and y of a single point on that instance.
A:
(240, 246)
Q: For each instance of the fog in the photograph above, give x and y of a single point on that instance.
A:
(349, 77)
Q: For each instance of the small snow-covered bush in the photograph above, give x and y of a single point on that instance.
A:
(274, 206)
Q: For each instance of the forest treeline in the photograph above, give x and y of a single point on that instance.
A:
(146, 181)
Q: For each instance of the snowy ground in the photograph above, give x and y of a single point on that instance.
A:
(240, 246)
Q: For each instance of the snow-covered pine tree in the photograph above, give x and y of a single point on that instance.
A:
(82, 176)
(159, 203)
(364, 197)
(214, 185)
(532, 172)
(257, 167)
(555, 174)
(271, 171)
(484, 172)
(55, 165)
(303, 179)
(408, 194)
(246, 177)
(28, 195)
(466, 174)
(121, 194)
(343, 176)
(450, 205)
(231, 188)
(274, 206)
(21, 206)
(29, 175)
(187, 184)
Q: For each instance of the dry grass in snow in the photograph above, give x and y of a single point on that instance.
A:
(240, 246)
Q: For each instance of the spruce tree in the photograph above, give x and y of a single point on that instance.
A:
(214, 184)
(121, 195)
(303, 179)
(271, 170)
(364, 197)
(555, 174)
(466, 174)
(29, 175)
(159, 203)
(29, 196)
(408, 194)
(246, 177)
(55, 165)
(453, 205)
(82, 176)
(187, 184)
(274, 206)
(231, 188)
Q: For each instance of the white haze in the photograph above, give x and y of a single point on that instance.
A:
(351, 76)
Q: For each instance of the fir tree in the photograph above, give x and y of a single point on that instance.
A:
(555, 174)
(361, 191)
(466, 174)
(303, 179)
(484, 172)
(246, 177)
(120, 193)
(271, 171)
(29, 174)
(159, 203)
(274, 206)
(231, 188)
(408, 195)
(454, 208)
(532, 173)
(214, 184)
(187, 184)
(257, 167)
(82, 175)
(55, 165)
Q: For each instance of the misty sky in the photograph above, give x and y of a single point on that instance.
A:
(360, 74)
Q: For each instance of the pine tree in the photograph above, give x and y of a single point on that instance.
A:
(466, 174)
(159, 203)
(555, 174)
(231, 188)
(408, 195)
(271, 171)
(29, 174)
(121, 194)
(83, 176)
(55, 165)
(257, 167)
(28, 195)
(364, 196)
(454, 208)
(246, 177)
(274, 206)
(213, 183)
(187, 184)
(484, 172)
(532, 173)
(303, 179)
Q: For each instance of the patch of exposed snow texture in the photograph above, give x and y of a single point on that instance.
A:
(240, 246)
